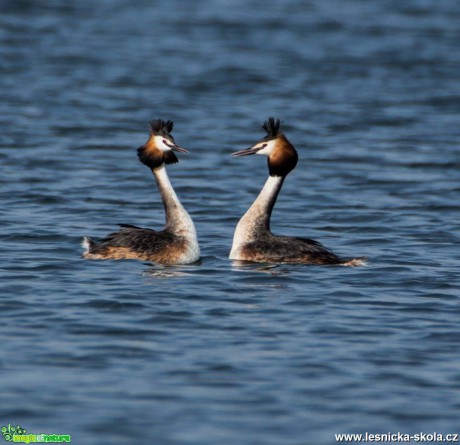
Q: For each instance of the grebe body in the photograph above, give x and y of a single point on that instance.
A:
(253, 240)
(177, 243)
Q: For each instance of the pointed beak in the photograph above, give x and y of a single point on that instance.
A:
(245, 152)
(175, 147)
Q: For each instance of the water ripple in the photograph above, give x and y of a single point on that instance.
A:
(220, 352)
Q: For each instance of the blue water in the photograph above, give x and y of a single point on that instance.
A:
(125, 352)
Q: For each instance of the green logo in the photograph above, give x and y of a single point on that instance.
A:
(9, 431)
(17, 434)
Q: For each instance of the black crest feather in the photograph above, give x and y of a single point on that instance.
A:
(170, 157)
(272, 127)
(159, 126)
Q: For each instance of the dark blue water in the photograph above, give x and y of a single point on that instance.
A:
(123, 352)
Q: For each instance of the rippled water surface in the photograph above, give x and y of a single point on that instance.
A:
(125, 352)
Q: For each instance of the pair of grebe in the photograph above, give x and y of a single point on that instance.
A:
(177, 243)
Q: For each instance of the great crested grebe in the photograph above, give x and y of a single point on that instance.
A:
(253, 240)
(177, 243)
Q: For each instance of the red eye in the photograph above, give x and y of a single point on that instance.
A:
(164, 141)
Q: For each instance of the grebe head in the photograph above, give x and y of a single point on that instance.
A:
(282, 156)
(159, 147)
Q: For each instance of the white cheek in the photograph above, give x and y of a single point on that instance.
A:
(267, 151)
(160, 144)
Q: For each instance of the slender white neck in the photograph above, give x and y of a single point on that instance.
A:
(256, 221)
(178, 220)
